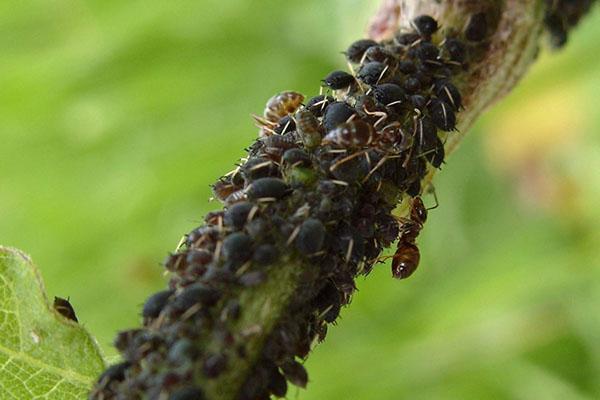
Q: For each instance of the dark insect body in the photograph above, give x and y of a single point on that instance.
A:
(64, 308)
(155, 303)
(425, 25)
(476, 29)
(406, 259)
(353, 134)
(338, 80)
(309, 128)
(281, 105)
(356, 50)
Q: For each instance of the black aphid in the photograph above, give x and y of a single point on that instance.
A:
(64, 308)
(372, 72)
(356, 50)
(237, 247)
(388, 93)
(407, 67)
(155, 303)
(378, 53)
(476, 29)
(427, 52)
(285, 124)
(295, 373)
(412, 84)
(338, 80)
(311, 236)
(456, 49)
(425, 25)
(318, 104)
(257, 167)
(335, 114)
(115, 372)
(236, 216)
(407, 39)
(277, 383)
(449, 93)
(442, 115)
(296, 157)
(181, 351)
(198, 293)
(267, 188)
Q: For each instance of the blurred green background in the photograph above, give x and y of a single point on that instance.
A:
(116, 116)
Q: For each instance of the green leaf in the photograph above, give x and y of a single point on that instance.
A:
(42, 354)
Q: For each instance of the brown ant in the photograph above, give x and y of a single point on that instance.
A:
(406, 258)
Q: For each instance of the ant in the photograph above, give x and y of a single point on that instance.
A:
(407, 256)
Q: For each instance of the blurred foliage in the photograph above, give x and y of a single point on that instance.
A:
(116, 116)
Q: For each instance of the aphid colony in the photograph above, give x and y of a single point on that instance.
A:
(320, 184)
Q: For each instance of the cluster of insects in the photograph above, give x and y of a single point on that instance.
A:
(562, 15)
(321, 183)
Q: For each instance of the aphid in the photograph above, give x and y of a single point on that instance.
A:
(558, 32)
(214, 365)
(356, 50)
(267, 188)
(124, 339)
(428, 53)
(407, 67)
(283, 142)
(236, 216)
(237, 247)
(389, 94)
(257, 167)
(254, 278)
(412, 84)
(328, 302)
(277, 383)
(442, 115)
(188, 393)
(338, 80)
(476, 29)
(372, 72)
(430, 143)
(353, 134)
(418, 101)
(387, 230)
(64, 308)
(449, 93)
(407, 39)
(282, 104)
(265, 254)
(155, 304)
(198, 293)
(311, 236)
(286, 124)
(309, 128)
(352, 168)
(223, 188)
(456, 50)
(335, 114)
(425, 25)
(296, 157)
(235, 197)
(318, 104)
(377, 53)
(115, 372)
(295, 373)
